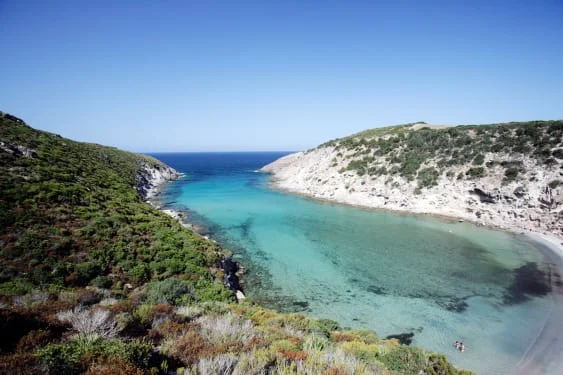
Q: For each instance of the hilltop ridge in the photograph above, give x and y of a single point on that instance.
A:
(508, 175)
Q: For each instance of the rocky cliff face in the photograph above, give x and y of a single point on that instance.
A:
(153, 176)
(463, 172)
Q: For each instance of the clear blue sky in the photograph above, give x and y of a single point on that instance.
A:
(274, 75)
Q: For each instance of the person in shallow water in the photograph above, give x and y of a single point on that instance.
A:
(456, 345)
(461, 347)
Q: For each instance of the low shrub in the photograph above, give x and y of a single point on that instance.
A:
(170, 291)
(81, 353)
(510, 174)
(225, 329)
(475, 172)
(87, 321)
(20, 363)
(325, 326)
(101, 282)
(33, 340)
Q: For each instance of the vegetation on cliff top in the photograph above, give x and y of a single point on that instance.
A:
(93, 280)
(424, 153)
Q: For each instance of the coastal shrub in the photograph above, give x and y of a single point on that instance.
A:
(171, 291)
(558, 153)
(225, 329)
(82, 352)
(510, 174)
(18, 286)
(365, 352)
(475, 172)
(405, 360)
(187, 349)
(33, 340)
(140, 273)
(427, 177)
(87, 321)
(84, 272)
(222, 364)
(325, 326)
(438, 365)
(101, 282)
(479, 159)
(19, 363)
(115, 365)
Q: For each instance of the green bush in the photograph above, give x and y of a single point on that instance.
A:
(511, 173)
(475, 172)
(172, 291)
(79, 353)
(428, 177)
(103, 282)
(325, 326)
(479, 159)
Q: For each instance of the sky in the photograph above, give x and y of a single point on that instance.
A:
(153, 76)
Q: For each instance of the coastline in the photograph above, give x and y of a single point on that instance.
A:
(531, 202)
(545, 353)
(154, 180)
(542, 355)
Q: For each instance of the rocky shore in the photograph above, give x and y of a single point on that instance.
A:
(528, 203)
(150, 180)
(152, 177)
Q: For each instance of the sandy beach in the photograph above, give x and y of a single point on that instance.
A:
(545, 354)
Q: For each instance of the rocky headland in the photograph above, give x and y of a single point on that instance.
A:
(504, 175)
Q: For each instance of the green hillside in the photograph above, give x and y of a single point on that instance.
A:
(70, 216)
(94, 280)
(426, 152)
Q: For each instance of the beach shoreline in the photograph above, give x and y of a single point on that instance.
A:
(275, 184)
(545, 353)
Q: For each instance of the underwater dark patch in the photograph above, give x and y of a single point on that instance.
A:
(284, 304)
(376, 290)
(528, 281)
(301, 304)
(457, 305)
(404, 338)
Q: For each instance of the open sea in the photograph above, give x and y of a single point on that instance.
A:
(435, 280)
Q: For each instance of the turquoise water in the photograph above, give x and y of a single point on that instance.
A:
(392, 273)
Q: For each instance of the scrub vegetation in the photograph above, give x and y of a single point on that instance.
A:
(94, 280)
(421, 152)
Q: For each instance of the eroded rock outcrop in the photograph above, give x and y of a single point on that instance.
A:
(493, 186)
(151, 177)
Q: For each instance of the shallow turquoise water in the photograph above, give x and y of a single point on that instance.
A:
(441, 280)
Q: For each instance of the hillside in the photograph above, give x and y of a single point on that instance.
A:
(506, 175)
(95, 280)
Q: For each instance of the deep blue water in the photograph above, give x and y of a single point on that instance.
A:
(392, 273)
